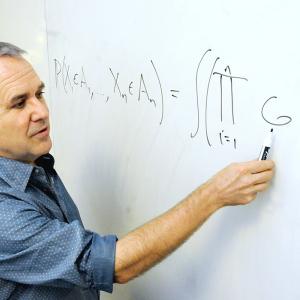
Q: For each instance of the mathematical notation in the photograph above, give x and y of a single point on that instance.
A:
(71, 81)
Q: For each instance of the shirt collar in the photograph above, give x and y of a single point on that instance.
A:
(17, 173)
(46, 161)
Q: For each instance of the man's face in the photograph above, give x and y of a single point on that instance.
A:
(24, 115)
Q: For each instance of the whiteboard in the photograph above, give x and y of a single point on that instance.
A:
(137, 125)
(144, 110)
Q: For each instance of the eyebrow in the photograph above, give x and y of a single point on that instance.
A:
(22, 96)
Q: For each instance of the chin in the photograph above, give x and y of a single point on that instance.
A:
(44, 148)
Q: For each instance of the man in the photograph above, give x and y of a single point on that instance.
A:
(45, 251)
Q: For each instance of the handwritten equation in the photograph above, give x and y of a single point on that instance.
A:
(73, 80)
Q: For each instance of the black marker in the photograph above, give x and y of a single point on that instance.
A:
(266, 146)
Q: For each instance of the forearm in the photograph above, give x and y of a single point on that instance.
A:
(150, 243)
(234, 185)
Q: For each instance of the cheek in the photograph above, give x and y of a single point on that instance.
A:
(14, 128)
(22, 124)
(18, 127)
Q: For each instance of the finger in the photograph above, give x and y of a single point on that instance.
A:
(261, 187)
(250, 197)
(262, 177)
(257, 166)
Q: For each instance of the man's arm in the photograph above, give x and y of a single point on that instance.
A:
(144, 247)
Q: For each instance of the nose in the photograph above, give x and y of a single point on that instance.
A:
(39, 110)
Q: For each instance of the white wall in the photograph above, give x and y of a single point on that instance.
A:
(23, 23)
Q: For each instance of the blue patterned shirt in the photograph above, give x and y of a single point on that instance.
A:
(45, 251)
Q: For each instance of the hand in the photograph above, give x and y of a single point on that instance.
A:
(239, 183)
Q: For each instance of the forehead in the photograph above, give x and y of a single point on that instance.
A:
(16, 72)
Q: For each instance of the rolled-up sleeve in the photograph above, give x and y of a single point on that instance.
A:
(102, 259)
(39, 250)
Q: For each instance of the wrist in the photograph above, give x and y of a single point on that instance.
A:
(208, 194)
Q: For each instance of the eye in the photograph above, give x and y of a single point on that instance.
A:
(39, 95)
(20, 104)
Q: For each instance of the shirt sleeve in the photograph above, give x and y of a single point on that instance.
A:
(38, 250)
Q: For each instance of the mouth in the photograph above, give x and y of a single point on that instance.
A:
(42, 133)
(45, 128)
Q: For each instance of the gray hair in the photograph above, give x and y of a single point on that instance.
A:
(7, 49)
